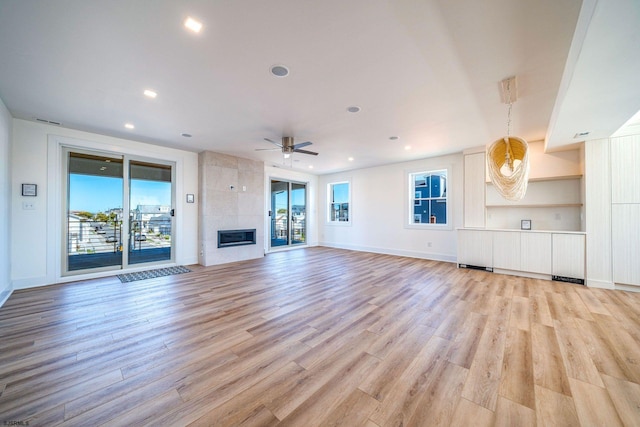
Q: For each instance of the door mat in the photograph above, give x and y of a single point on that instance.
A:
(152, 274)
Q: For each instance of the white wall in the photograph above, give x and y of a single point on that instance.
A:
(5, 203)
(285, 174)
(35, 238)
(379, 206)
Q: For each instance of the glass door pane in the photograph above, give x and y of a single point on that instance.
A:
(298, 213)
(93, 212)
(150, 212)
(279, 213)
(288, 213)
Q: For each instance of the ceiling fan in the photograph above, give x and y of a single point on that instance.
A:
(287, 146)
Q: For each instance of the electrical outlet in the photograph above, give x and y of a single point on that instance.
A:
(28, 206)
(429, 244)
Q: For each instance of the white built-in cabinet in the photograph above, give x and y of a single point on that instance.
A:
(474, 190)
(524, 252)
(535, 255)
(492, 238)
(568, 255)
(475, 248)
(506, 250)
(625, 209)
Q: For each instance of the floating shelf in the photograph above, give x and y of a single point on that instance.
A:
(541, 205)
(547, 178)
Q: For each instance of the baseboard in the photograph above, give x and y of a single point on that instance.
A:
(523, 274)
(31, 282)
(397, 252)
(628, 288)
(602, 284)
(4, 296)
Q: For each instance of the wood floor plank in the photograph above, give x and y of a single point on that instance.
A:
(554, 409)
(510, 413)
(626, 398)
(439, 400)
(516, 382)
(539, 310)
(471, 414)
(352, 411)
(313, 378)
(548, 366)
(244, 404)
(607, 359)
(409, 386)
(380, 380)
(466, 341)
(483, 380)
(313, 410)
(345, 339)
(575, 353)
(593, 405)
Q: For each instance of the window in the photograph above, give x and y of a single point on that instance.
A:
(339, 202)
(428, 198)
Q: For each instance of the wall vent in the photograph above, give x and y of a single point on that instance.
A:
(51, 122)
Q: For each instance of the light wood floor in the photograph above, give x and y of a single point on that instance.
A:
(321, 337)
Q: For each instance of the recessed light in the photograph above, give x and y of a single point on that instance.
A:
(350, 159)
(407, 147)
(150, 93)
(186, 135)
(279, 71)
(193, 25)
(310, 166)
(354, 109)
(394, 138)
(129, 126)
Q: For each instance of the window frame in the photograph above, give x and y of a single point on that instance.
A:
(330, 203)
(410, 201)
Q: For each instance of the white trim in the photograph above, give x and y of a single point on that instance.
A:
(520, 273)
(55, 145)
(602, 284)
(328, 220)
(410, 196)
(4, 296)
(398, 252)
(628, 288)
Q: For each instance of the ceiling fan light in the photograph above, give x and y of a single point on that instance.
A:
(287, 155)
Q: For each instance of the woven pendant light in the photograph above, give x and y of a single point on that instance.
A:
(508, 157)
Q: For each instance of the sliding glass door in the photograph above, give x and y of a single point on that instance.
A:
(288, 213)
(150, 212)
(100, 189)
(94, 211)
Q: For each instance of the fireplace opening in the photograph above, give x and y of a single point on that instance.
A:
(228, 238)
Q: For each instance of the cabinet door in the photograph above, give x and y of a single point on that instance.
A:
(474, 189)
(568, 255)
(625, 179)
(474, 248)
(535, 256)
(506, 250)
(625, 221)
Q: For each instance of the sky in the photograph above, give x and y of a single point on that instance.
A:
(341, 193)
(99, 193)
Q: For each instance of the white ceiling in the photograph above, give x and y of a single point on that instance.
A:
(427, 71)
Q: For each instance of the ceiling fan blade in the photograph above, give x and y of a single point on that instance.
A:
(305, 152)
(273, 142)
(268, 149)
(302, 144)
